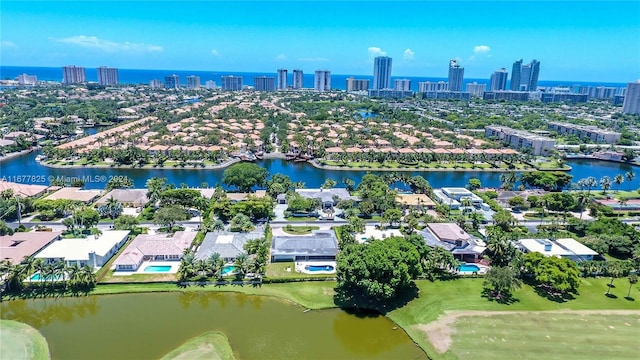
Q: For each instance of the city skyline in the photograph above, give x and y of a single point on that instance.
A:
(256, 41)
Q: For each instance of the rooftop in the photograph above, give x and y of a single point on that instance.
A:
(137, 197)
(79, 249)
(156, 244)
(74, 193)
(23, 190)
(227, 244)
(319, 243)
(21, 244)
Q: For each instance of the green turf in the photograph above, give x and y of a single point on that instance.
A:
(208, 346)
(557, 336)
(299, 230)
(21, 341)
(465, 294)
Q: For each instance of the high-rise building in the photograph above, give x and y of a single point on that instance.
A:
(193, 82)
(631, 103)
(430, 86)
(357, 84)
(210, 84)
(282, 79)
(476, 89)
(402, 85)
(155, 84)
(525, 77)
(264, 83)
(107, 76)
(535, 73)
(232, 83)
(499, 80)
(73, 74)
(298, 79)
(382, 72)
(456, 75)
(322, 80)
(515, 75)
(25, 79)
(172, 82)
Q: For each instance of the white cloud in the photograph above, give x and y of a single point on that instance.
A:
(281, 57)
(215, 52)
(6, 43)
(108, 45)
(376, 51)
(316, 59)
(481, 49)
(408, 55)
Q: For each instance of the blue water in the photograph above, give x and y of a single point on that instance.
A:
(338, 81)
(27, 170)
(468, 268)
(228, 270)
(157, 268)
(36, 277)
(319, 268)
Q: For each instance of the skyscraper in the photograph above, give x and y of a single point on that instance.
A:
(499, 80)
(107, 76)
(631, 103)
(155, 84)
(73, 75)
(233, 83)
(298, 79)
(264, 83)
(193, 82)
(402, 85)
(25, 79)
(535, 73)
(210, 84)
(456, 74)
(322, 80)
(525, 77)
(515, 75)
(172, 82)
(282, 79)
(382, 72)
(476, 89)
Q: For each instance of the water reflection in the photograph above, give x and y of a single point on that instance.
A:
(42, 313)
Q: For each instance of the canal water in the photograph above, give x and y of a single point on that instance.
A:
(27, 170)
(148, 326)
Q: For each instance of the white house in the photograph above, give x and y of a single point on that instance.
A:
(92, 251)
(567, 248)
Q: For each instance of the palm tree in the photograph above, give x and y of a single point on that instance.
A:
(73, 275)
(508, 180)
(242, 264)
(633, 279)
(39, 266)
(215, 264)
(582, 200)
(590, 183)
(28, 264)
(614, 270)
(618, 179)
(630, 175)
(202, 267)
(605, 182)
(88, 276)
(218, 225)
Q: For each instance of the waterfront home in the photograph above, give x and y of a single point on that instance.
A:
(228, 244)
(23, 190)
(320, 245)
(421, 201)
(15, 247)
(126, 197)
(328, 197)
(454, 197)
(75, 194)
(155, 247)
(566, 248)
(453, 238)
(93, 250)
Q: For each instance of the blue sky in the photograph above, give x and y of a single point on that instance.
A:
(575, 40)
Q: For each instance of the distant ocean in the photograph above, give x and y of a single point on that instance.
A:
(137, 76)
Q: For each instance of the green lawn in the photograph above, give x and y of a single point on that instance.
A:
(560, 335)
(438, 297)
(21, 341)
(301, 218)
(279, 270)
(299, 230)
(211, 345)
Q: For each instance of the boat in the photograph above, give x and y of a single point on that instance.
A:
(259, 155)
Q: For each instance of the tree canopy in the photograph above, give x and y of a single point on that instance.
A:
(377, 272)
(244, 176)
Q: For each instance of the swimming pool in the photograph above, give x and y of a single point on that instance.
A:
(157, 268)
(227, 270)
(36, 277)
(468, 268)
(319, 268)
